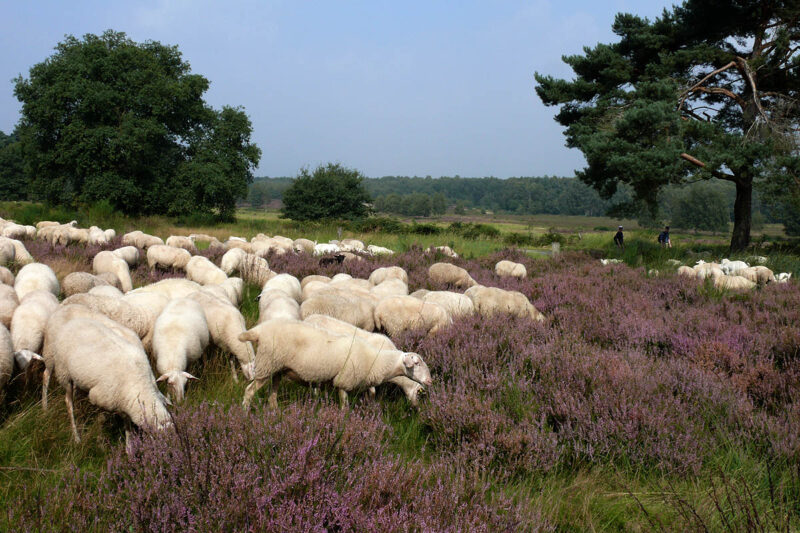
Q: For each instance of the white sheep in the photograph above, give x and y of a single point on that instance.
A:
(129, 254)
(288, 284)
(7, 251)
(138, 319)
(14, 231)
(106, 261)
(234, 289)
(110, 234)
(446, 273)
(179, 338)
(235, 242)
(338, 304)
(379, 275)
(732, 267)
(167, 257)
(446, 250)
(275, 304)
(352, 245)
(30, 319)
(180, 241)
(420, 293)
(204, 272)
(9, 301)
(734, 283)
(507, 268)
(396, 314)
(312, 355)
(783, 277)
(255, 269)
(456, 304)
(172, 287)
(705, 270)
(686, 271)
(36, 277)
(489, 301)
(303, 246)
(390, 287)
(323, 248)
(6, 276)
(758, 274)
(97, 236)
(147, 306)
(314, 277)
(379, 250)
(116, 373)
(21, 254)
(6, 358)
(231, 260)
(140, 239)
(106, 290)
(78, 282)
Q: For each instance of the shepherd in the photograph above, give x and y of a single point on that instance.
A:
(619, 239)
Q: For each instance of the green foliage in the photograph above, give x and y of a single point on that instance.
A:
(701, 208)
(332, 191)
(106, 118)
(13, 181)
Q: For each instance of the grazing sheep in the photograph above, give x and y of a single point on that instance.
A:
(97, 236)
(140, 239)
(312, 355)
(179, 338)
(275, 304)
(734, 283)
(705, 270)
(288, 284)
(303, 246)
(30, 319)
(606, 262)
(266, 245)
(323, 248)
(6, 276)
(14, 231)
(489, 301)
(179, 241)
(167, 257)
(45, 223)
(234, 289)
(507, 268)
(313, 287)
(78, 282)
(21, 254)
(138, 319)
(396, 314)
(203, 271)
(255, 270)
(147, 305)
(783, 277)
(456, 304)
(390, 287)
(314, 277)
(108, 262)
(7, 251)
(129, 254)
(36, 277)
(759, 274)
(379, 275)
(446, 250)
(686, 271)
(203, 237)
(348, 307)
(448, 274)
(235, 242)
(8, 304)
(115, 373)
(379, 250)
(352, 245)
(225, 324)
(420, 293)
(172, 287)
(110, 234)
(6, 358)
(231, 260)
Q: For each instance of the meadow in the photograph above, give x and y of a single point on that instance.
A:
(642, 402)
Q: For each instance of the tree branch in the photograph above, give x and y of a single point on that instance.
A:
(716, 173)
(744, 68)
(694, 87)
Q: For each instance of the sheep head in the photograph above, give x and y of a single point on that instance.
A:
(176, 382)
(416, 369)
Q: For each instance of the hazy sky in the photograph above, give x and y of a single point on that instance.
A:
(412, 87)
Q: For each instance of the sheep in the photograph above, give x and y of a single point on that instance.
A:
(264, 246)
(686, 271)
(110, 234)
(341, 276)
(446, 250)
(448, 274)
(314, 277)
(140, 239)
(379, 250)
(352, 245)
(231, 260)
(9, 301)
(489, 301)
(225, 323)
(203, 271)
(14, 231)
(296, 349)
(6, 357)
(255, 269)
(420, 293)
(6, 276)
(167, 257)
(396, 314)
(78, 282)
(30, 319)
(21, 254)
(108, 262)
(303, 246)
(147, 306)
(606, 262)
(759, 274)
(732, 267)
(376, 340)
(348, 307)
(379, 275)
(313, 287)
(322, 249)
(171, 288)
(7, 251)
(203, 237)
(129, 254)
(705, 270)
(115, 373)
(456, 304)
(45, 223)
(507, 268)
(734, 283)
(275, 304)
(106, 290)
(179, 241)
(390, 287)
(97, 236)
(36, 277)
(783, 277)
(760, 259)
(179, 338)
(238, 243)
(288, 284)
(136, 318)
(233, 288)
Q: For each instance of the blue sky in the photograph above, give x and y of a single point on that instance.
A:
(390, 88)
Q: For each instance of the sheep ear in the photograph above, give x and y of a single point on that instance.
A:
(189, 376)
(36, 357)
(408, 360)
(162, 377)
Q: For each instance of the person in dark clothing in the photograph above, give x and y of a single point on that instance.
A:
(663, 238)
(619, 239)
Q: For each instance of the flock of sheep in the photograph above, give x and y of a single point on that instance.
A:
(111, 340)
(733, 275)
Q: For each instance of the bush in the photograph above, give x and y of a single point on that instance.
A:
(331, 192)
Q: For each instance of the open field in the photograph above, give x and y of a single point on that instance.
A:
(640, 403)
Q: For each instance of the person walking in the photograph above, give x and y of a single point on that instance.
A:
(619, 239)
(663, 238)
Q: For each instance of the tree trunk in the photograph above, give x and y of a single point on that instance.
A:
(742, 209)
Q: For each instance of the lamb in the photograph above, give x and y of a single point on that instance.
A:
(490, 301)
(167, 257)
(783, 277)
(179, 241)
(379, 275)
(734, 283)
(6, 276)
(456, 304)
(295, 348)
(115, 373)
(448, 274)
(275, 304)
(30, 319)
(21, 254)
(288, 284)
(390, 287)
(732, 267)
(179, 338)
(377, 341)
(379, 250)
(303, 245)
(203, 271)
(78, 282)
(171, 288)
(396, 314)
(225, 324)
(9, 301)
(507, 268)
(347, 307)
(129, 254)
(36, 277)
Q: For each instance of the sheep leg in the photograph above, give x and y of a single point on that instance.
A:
(273, 393)
(69, 398)
(45, 384)
(371, 392)
(251, 391)
(343, 398)
(233, 372)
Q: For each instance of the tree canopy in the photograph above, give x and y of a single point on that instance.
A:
(107, 118)
(13, 182)
(332, 191)
(707, 90)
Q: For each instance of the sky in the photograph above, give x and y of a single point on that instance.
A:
(412, 87)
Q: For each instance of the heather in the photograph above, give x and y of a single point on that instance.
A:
(638, 384)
